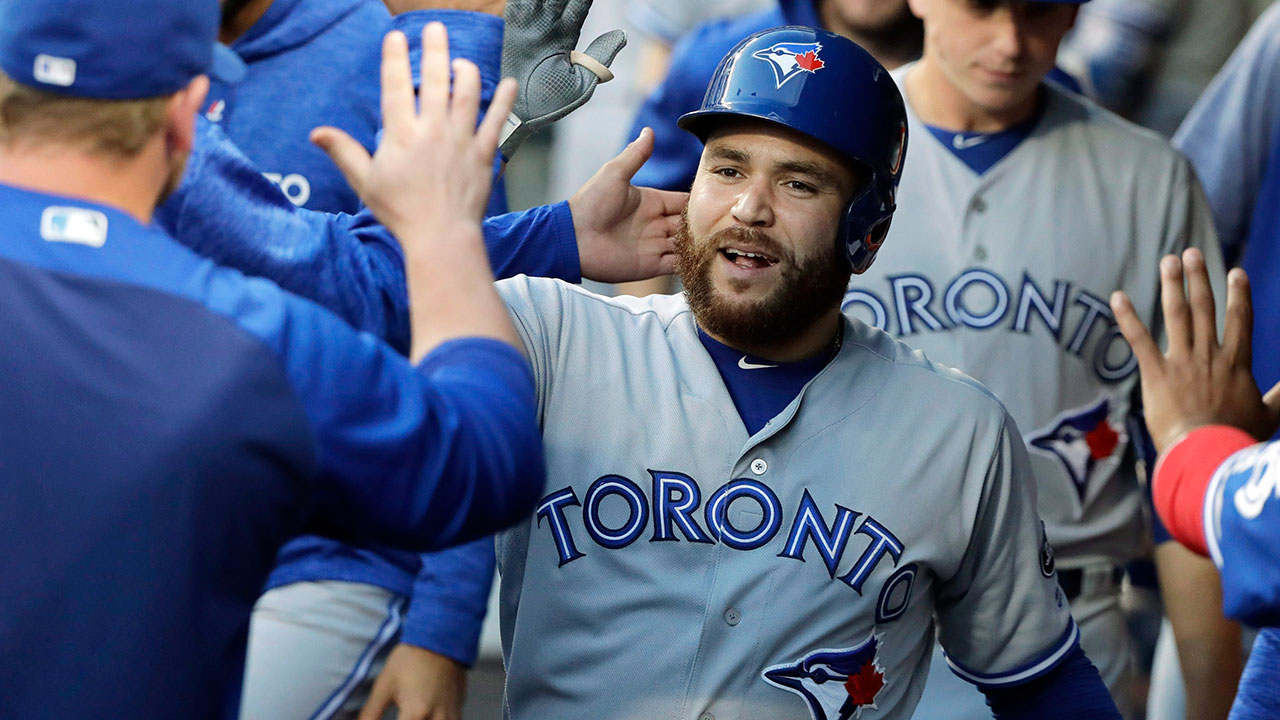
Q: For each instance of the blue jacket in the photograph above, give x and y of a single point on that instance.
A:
(693, 62)
(308, 64)
(350, 264)
(169, 424)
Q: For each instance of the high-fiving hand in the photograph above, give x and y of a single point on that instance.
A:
(1199, 381)
(432, 167)
(428, 183)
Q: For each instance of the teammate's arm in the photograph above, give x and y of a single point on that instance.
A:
(1071, 690)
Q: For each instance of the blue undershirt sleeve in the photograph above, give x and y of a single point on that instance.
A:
(449, 600)
(1072, 690)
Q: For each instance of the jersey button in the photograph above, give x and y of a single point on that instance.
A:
(733, 616)
(706, 716)
(979, 205)
(980, 253)
(758, 466)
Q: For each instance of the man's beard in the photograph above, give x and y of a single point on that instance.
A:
(804, 293)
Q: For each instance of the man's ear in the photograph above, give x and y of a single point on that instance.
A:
(180, 120)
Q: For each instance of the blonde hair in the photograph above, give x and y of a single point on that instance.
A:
(118, 128)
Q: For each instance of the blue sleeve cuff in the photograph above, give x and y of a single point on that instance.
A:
(539, 243)
(1071, 690)
(450, 598)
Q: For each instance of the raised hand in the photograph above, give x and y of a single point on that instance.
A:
(626, 232)
(1198, 381)
(428, 183)
(432, 168)
(538, 49)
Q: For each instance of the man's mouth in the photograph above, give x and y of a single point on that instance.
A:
(748, 260)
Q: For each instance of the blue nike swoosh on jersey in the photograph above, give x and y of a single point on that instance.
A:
(742, 363)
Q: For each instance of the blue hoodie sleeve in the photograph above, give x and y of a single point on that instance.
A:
(227, 211)
(450, 597)
(1071, 690)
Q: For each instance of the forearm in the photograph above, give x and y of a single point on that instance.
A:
(1072, 690)
(1208, 644)
(451, 293)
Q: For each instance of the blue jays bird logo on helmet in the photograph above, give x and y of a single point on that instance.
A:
(1080, 439)
(790, 59)
(836, 684)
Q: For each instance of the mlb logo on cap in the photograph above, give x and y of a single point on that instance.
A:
(113, 49)
(55, 70)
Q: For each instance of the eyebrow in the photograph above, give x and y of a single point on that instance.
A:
(817, 172)
(726, 153)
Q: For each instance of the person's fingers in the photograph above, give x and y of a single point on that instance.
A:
(504, 98)
(1204, 318)
(673, 202)
(345, 152)
(1272, 398)
(1177, 316)
(1237, 333)
(606, 47)
(397, 85)
(1144, 347)
(378, 703)
(433, 90)
(633, 156)
(465, 107)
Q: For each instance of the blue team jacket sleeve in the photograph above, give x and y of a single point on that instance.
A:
(420, 458)
(1241, 516)
(449, 600)
(1072, 690)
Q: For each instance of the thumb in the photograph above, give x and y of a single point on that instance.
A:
(606, 47)
(350, 156)
(634, 155)
(1272, 398)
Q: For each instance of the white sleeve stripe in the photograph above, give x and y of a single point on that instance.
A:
(1211, 507)
(1020, 675)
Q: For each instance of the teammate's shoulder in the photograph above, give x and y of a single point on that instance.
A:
(911, 368)
(712, 39)
(1069, 111)
(544, 294)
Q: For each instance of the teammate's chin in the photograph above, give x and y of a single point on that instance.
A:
(802, 292)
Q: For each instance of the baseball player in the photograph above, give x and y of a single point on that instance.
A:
(340, 624)
(885, 28)
(1214, 486)
(169, 423)
(1032, 205)
(736, 532)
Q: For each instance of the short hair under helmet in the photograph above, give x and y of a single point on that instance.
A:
(824, 86)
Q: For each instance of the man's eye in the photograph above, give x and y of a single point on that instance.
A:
(800, 186)
(727, 172)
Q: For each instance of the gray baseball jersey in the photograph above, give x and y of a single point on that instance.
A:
(677, 568)
(1007, 276)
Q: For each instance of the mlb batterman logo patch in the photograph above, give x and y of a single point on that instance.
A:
(836, 684)
(791, 59)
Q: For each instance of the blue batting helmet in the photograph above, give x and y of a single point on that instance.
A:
(826, 87)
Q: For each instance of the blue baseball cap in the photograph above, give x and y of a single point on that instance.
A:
(114, 49)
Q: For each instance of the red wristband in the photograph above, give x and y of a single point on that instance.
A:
(1182, 475)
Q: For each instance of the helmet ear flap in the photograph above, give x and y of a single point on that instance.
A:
(861, 250)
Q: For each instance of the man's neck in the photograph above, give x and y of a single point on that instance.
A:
(820, 337)
(241, 20)
(937, 102)
(127, 185)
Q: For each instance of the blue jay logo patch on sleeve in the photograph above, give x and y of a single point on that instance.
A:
(791, 59)
(836, 684)
(1080, 439)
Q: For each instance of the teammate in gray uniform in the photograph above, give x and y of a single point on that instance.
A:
(759, 506)
(1031, 205)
